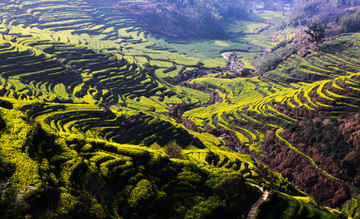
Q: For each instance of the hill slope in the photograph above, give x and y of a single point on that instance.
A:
(90, 128)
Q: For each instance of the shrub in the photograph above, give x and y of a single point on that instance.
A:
(174, 151)
(269, 60)
(66, 203)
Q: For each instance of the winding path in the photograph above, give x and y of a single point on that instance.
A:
(256, 205)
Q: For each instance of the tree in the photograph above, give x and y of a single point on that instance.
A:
(316, 32)
(237, 195)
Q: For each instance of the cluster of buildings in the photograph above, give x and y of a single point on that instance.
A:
(259, 8)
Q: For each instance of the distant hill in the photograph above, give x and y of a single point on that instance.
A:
(323, 12)
(182, 19)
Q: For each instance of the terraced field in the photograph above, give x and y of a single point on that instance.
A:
(253, 107)
(84, 89)
(261, 101)
(104, 27)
